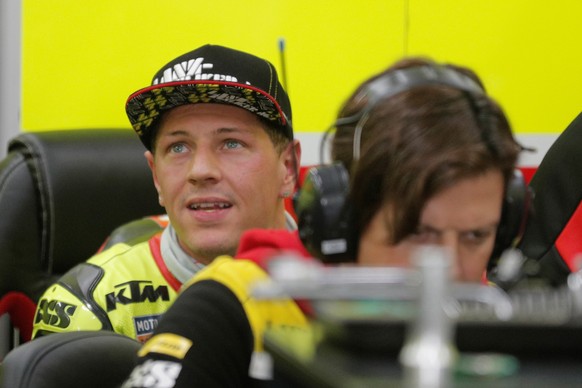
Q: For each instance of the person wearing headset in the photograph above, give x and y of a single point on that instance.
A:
(423, 155)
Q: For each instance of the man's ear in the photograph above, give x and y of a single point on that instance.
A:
(151, 163)
(292, 161)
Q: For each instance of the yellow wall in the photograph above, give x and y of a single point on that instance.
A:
(82, 59)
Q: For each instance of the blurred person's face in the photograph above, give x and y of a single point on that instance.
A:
(463, 218)
(218, 173)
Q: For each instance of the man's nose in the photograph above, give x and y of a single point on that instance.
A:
(451, 241)
(204, 166)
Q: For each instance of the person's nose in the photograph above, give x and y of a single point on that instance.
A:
(204, 166)
(451, 241)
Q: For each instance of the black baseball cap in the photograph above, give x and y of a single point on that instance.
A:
(214, 74)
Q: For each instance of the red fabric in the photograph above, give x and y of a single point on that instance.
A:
(21, 310)
(154, 244)
(262, 245)
(569, 242)
(528, 172)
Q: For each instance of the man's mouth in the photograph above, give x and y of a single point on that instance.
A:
(210, 206)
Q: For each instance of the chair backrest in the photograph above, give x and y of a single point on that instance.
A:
(553, 234)
(73, 359)
(61, 195)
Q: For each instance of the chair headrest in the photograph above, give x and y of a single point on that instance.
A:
(72, 359)
(88, 181)
(61, 194)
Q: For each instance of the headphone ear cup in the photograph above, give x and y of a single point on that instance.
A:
(516, 206)
(323, 217)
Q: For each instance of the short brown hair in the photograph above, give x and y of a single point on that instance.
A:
(417, 143)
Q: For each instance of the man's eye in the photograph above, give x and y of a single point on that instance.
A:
(232, 144)
(178, 148)
(477, 236)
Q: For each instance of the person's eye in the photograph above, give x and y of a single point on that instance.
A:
(477, 236)
(178, 148)
(232, 144)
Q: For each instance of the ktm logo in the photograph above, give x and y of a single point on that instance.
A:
(136, 291)
(55, 313)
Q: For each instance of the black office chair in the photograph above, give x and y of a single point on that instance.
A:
(100, 359)
(553, 234)
(61, 194)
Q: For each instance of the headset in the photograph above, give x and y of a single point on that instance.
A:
(325, 219)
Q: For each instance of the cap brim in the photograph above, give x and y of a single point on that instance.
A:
(145, 106)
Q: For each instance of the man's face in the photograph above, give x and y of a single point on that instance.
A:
(217, 174)
(463, 218)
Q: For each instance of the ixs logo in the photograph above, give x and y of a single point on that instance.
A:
(136, 291)
(54, 313)
(154, 374)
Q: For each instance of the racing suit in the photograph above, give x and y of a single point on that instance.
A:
(126, 288)
(213, 333)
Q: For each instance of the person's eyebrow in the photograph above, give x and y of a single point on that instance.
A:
(177, 132)
(227, 130)
(430, 228)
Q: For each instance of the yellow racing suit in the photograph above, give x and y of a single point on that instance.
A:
(125, 289)
(212, 336)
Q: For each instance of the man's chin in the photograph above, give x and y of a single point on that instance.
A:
(206, 251)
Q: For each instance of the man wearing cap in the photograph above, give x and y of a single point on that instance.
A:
(216, 126)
